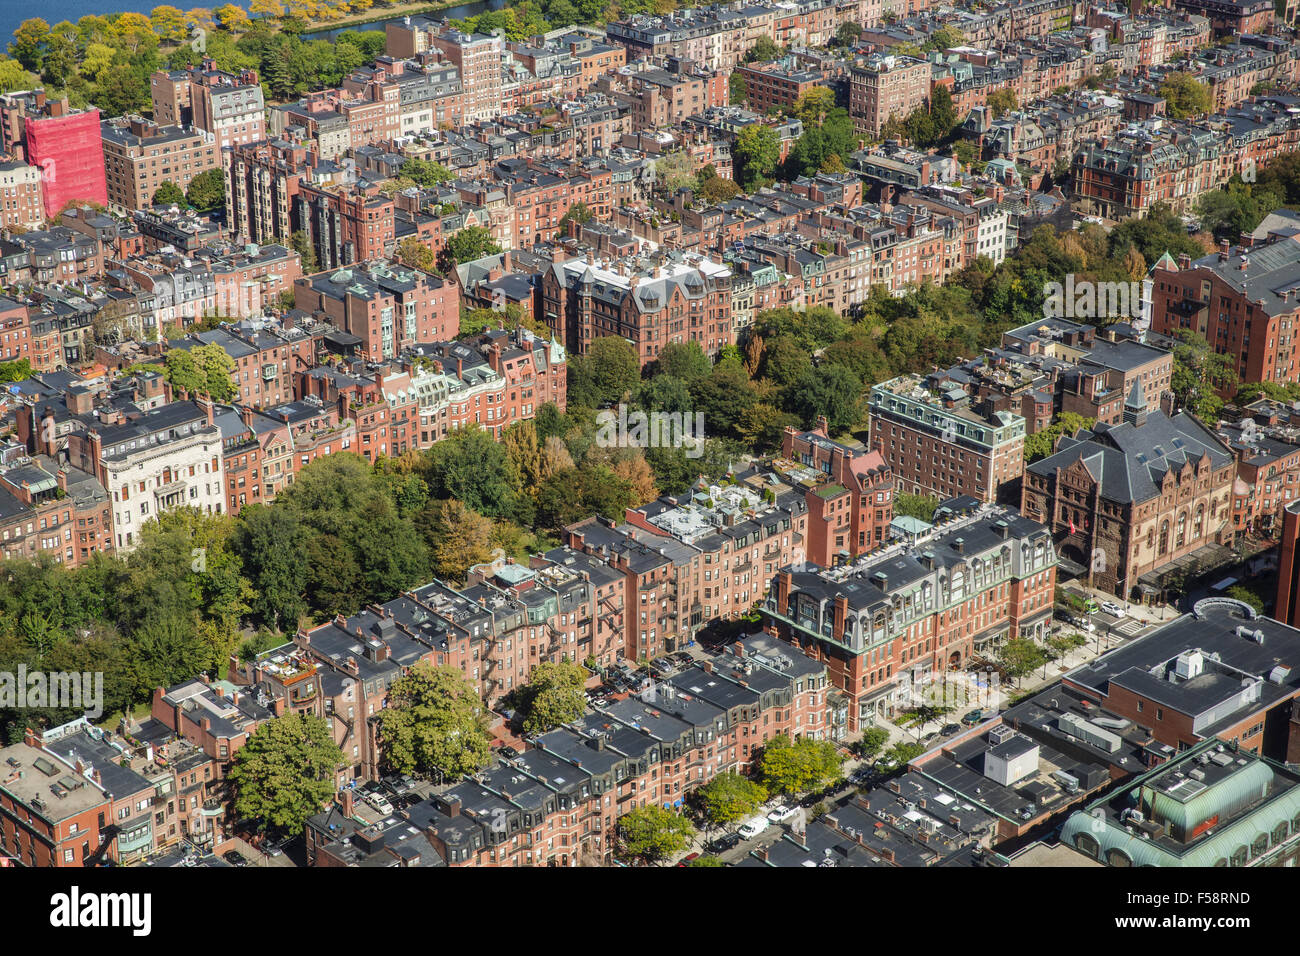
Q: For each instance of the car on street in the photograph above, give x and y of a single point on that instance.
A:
(753, 827)
(950, 729)
(781, 813)
(681, 658)
(723, 843)
(1083, 623)
(930, 736)
(811, 800)
(663, 666)
(234, 858)
(1113, 609)
(379, 802)
(686, 860)
(971, 718)
(1091, 606)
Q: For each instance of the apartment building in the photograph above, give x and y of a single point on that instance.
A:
(850, 495)
(941, 440)
(886, 87)
(1125, 502)
(386, 307)
(139, 156)
(230, 106)
(47, 509)
(897, 620)
(478, 59)
(22, 197)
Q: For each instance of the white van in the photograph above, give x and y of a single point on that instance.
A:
(753, 827)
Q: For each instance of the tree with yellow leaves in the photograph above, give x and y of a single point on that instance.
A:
(168, 22)
(233, 18)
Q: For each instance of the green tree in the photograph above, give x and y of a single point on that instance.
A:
(301, 244)
(651, 833)
(434, 721)
(553, 696)
(28, 46)
(1201, 376)
(1020, 656)
(207, 191)
(1042, 443)
(1239, 592)
(286, 772)
(426, 173)
(915, 506)
(269, 543)
(737, 90)
(791, 768)
(467, 245)
(762, 51)
(834, 392)
(684, 361)
(1186, 97)
(728, 798)
(1001, 101)
(474, 469)
(606, 374)
(872, 743)
(756, 153)
(458, 538)
(18, 370)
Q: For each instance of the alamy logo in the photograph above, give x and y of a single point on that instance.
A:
(76, 909)
(624, 429)
(78, 691)
(1095, 300)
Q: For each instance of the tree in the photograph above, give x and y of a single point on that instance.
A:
(18, 370)
(474, 469)
(652, 833)
(553, 696)
(737, 90)
(756, 153)
(1020, 656)
(847, 33)
(579, 212)
(1001, 101)
(684, 361)
(202, 370)
(232, 18)
(1200, 375)
(1043, 442)
(729, 798)
(833, 392)
(168, 194)
(790, 768)
(606, 374)
(416, 254)
(872, 742)
(28, 46)
(301, 244)
(168, 22)
(207, 191)
(13, 77)
(467, 245)
(675, 171)
(268, 540)
(1185, 96)
(1239, 592)
(458, 538)
(813, 107)
(915, 506)
(286, 772)
(765, 49)
(434, 721)
(424, 172)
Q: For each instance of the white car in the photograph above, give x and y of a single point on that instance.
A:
(1113, 609)
(782, 813)
(753, 827)
(380, 803)
(1083, 624)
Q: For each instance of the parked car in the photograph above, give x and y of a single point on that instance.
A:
(1110, 607)
(811, 800)
(682, 658)
(780, 813)
(685, 861)
(663, 666)
(753, 827)
(379, 802)
(1091, 606)
(950, 729)
(1083, 623)
(972, 718)
(930, 736)
(722, 843)
(234, 858)
(272, 849)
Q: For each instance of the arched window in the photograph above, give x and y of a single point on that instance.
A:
(1087, 844)
(1280, 834)
(1117, 857)
(1182, 529)
(1260, 845)
(1240, 856)
(1199, 528)
(1164, 536)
